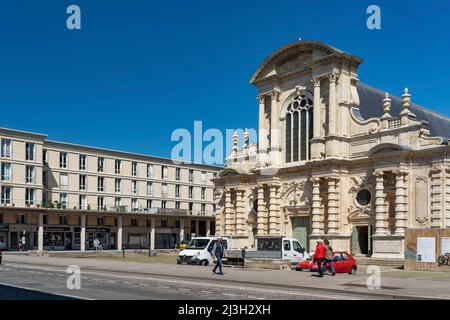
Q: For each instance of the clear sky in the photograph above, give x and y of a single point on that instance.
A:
(138, 69)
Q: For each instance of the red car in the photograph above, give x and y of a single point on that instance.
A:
(343, 262)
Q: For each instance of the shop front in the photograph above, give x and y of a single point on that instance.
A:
(103, 235)
(56, 238)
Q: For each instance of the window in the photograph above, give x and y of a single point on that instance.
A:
(29, 151)
(6, 148)
(150, 188)
(177, 205)
(29, 196)
(149, 223)
(63, 198)
(287, 245)
(178, 174)
(44, 197)
(100, 164)
(82, 182)
(63, 181)
(203, 193)
(191, 192)
(101, 184)
(118, 185)
(177, 223)
(149, 203)
(191, 207)
(163, 223)
(62, 220)
(45, 157)
(134, 169)
(117, 201)
(44, 219)
(297, 247)
(6, 196)
(299, 128)
(45, 179)
(191, 175)
(100, 221)
(164, 172)
(150, 171)
(134, 204)
(100, 203)
(164, 204)
(177, 191)
(83, 202)
(21, 219)
(134, 222)
(63, 160)
(30, 174)
(134, 187)
(164, 190)
(203, 208)
(203, 177)
(6, 171)
(363, 197)
(83, 162)
(118, 166)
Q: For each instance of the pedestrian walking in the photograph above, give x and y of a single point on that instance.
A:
(217, 253)
(319, 256)
(329, 257)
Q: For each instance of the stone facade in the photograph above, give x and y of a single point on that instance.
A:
(336, 159)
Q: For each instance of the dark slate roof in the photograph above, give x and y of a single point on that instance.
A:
(371, 106)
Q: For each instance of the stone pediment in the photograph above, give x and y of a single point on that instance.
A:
(359, 216)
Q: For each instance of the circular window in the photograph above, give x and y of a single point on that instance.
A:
(363, 197)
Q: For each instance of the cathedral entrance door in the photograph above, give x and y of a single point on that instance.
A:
(300, 230)
(361, 240)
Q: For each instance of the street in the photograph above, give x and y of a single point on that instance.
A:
(49, 282)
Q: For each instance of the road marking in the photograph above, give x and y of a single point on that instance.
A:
(255, 298)
(207, 292)
(145, 285)
(40, 291)
(229, 294)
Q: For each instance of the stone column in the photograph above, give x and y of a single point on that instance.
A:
(400, 209)
(274, 132)
(316, 216)
(228, 214)
(208, 228)
(273, 210)
(317, 123)
(181, 230)
(436, 196)
(261, 219)
(197, 228)
(152, 233)
(119, 232)
(332, 104)
(263, 143)
(83, 232)
(240, 214)
(380, 197)
(41, 232)
(333, 206)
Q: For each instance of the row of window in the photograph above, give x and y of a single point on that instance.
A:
(30, 173)
(64, 185)
(5, 151)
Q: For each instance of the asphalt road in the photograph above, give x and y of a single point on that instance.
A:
(21, 281)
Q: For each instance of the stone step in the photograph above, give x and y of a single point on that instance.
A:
(380, 262)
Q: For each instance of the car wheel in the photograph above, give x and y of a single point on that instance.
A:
(353, 271)
(204, 263)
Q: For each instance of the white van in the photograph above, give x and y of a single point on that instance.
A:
(198, 251)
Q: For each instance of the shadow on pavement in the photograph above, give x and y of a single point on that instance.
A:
(13, 293)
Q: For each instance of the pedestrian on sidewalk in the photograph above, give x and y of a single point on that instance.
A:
(319, 256)
(217, 253)
(329, 257)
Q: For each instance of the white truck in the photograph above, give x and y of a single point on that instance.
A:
(198, 251)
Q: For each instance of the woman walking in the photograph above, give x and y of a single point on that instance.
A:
(329, 257)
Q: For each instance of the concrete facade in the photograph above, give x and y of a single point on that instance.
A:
(55, 192)
(335, 159)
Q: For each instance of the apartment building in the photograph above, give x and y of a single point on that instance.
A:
(57, 196)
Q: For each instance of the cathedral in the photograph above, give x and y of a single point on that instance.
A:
(336, 159)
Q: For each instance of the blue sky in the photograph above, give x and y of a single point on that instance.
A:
(138, 69)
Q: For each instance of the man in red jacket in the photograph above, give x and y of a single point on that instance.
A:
(319, 256)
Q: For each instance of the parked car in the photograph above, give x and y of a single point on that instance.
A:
(343, 262)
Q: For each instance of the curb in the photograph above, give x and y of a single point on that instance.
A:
(296, 287)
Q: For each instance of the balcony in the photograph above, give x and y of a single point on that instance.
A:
(166, 211)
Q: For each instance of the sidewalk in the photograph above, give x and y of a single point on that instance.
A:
(394, 283)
